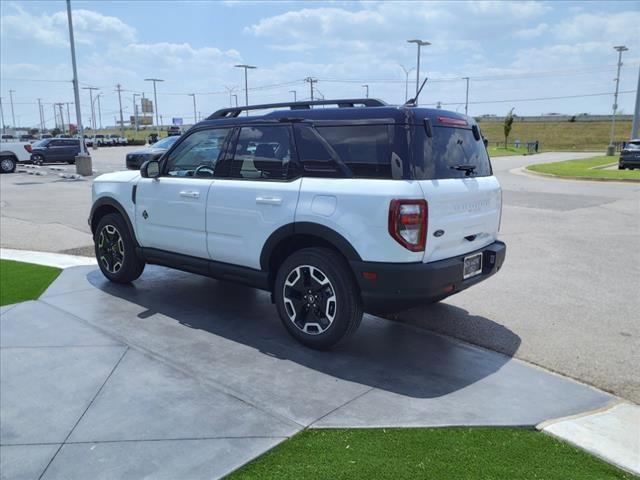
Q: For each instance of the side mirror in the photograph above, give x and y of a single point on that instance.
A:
(150, 169)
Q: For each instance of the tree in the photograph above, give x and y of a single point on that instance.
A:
(508, 123)
(56, 131)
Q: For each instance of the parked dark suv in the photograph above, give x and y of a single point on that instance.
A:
(630, 155)
(53, 150)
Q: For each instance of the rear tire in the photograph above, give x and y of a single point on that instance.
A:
(7, 164)
(116, 251)
(317, 298)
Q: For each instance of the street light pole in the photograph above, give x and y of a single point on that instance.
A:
(367, 89)
(636, 113)
(93, 112)
(420, 43)
(135, 111)
(99, 111)
(466, 102)
(40, 113)
(83, 161)
(155, 99)
(13, 117)
(119, 89)
(2, 114)
(246, 82)
(611, 147)
(195, 111)
(236, 98)
(295, 95)
(406, 81)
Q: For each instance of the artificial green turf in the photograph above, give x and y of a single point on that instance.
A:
(427, 453)
(584, 168)
(23, 281)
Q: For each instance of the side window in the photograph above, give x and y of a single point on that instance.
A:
(365, 149)
(55, 143)
(262, 152)
(199, 151)
(315, 154)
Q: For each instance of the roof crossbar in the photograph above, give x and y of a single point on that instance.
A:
(344, 103)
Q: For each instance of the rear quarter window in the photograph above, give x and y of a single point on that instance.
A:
(355, 151)
(441, 155)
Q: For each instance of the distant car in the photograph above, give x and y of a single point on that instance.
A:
(13, 152)
(63, 135)
(99, 140)
(88, 141)
(8, 138)
(55, 150)
(174, 130)
(136, 158)
(27, 138)
(630, 155)
(45, 135)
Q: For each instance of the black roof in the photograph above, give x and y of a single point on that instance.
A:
(331, 110)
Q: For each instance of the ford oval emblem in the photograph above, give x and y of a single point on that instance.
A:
(438, 233)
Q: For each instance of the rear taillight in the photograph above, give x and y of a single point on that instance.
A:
(27, 147)
(408, 223)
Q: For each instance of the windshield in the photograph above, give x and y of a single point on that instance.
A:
(451, 153)
(165, 142)
(41, 143)
(632, 146)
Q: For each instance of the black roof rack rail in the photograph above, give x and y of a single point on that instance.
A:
(344, 103)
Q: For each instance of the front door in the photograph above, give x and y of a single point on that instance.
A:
(170, 210)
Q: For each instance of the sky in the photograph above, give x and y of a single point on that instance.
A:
(526, 55)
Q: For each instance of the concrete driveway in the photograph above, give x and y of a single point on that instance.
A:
(180, 376)
(568, 290)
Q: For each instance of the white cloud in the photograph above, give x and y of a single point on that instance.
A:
(52, 30)
(533, 32)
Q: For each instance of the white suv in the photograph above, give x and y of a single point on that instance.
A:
(335, 211)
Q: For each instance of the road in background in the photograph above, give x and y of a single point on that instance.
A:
(567, 297)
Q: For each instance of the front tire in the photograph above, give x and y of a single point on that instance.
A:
(116, 250)
(317, 298)
(38, 160)
(7, 165)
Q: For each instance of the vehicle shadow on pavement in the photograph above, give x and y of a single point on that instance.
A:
(387, 355)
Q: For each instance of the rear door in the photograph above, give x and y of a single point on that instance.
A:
(257, 194)
(464, 198)
(55, 150)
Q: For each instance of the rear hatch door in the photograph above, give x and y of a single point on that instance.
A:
(464, 198)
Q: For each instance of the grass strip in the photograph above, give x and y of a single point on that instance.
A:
(24, 281)
(419, 453)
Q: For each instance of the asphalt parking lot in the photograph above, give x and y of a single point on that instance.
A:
(566, 299)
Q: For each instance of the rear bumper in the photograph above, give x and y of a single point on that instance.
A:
(399, 286)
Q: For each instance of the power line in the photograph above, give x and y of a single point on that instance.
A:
(533, 99)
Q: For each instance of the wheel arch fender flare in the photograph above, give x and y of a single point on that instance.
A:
(323, 232)
(104, 204)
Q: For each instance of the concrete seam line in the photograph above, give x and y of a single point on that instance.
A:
(219, 387)
(126, 349)
(340, 406)
(140, 440)
(610, 405)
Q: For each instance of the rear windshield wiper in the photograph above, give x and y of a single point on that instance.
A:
(468, 169)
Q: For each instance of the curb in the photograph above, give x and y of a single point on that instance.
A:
(584, 179)
(58, 260)
(607, 433)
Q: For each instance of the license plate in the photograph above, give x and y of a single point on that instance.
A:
(472, 265)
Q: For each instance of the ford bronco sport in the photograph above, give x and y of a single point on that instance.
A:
(362, 207)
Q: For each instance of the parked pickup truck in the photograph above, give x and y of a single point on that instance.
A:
(13, 152)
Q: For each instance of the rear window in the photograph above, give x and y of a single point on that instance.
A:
(444, 154)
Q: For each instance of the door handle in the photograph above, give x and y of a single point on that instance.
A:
(269, 200)
(189, 194)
